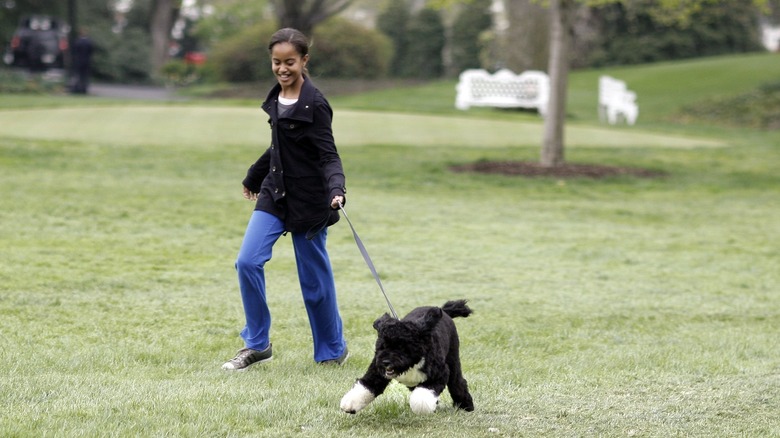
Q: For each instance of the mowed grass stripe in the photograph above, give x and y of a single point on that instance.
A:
(200, 126)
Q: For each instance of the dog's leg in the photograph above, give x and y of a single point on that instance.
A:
(459, 389)
(424, 400)
(356, 399)
(363, 392)
(460, 394)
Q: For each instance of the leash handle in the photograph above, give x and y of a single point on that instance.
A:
(367, 258)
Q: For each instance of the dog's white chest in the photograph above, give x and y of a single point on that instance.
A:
(413, 376)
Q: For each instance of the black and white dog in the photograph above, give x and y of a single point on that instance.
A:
(420, 351)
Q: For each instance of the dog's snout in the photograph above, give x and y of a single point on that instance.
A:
(386, 363)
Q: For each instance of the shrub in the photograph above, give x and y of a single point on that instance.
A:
(123, 57)
(343, 49)
(632, 34)
(473, 19)
(340, 48)
(244, 56)
(178, 72)
(423, 58)
(392, 21)
(17, 81)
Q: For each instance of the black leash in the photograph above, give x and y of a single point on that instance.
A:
(367, 258)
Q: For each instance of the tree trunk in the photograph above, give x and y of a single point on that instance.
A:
(163, 15)
(558, 69)
(304, 15)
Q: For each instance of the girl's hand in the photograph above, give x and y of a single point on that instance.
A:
(249, 195)
(336, 202)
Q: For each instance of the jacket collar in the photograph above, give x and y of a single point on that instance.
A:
(303, 110)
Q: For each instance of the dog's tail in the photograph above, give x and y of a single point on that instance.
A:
(456, 308)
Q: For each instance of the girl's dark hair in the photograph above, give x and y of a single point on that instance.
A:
(292, 36)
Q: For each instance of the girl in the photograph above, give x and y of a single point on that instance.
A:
(298, 185)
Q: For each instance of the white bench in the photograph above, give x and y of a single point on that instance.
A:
(504, 89)
(616, 101)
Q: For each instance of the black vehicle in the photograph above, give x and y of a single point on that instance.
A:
(39, 43)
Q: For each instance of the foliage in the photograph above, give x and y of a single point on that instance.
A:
(425, 43)
(344, 49)
(122, 57)
(178, 72)
(305, 15)
(393, 22)
(634, 33)
(339, 49)
(472, 20)
(244, 57)
(229, 18)
(12, 81)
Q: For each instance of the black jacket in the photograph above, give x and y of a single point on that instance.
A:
(301, 172)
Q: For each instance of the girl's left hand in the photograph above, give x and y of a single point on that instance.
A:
(337, 200)
(248, 194)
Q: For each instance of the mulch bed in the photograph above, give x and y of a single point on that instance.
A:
(566, 170)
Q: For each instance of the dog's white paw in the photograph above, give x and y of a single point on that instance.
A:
(356, 399)
(423, 401)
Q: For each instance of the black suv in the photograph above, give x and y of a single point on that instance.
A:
(39, 43)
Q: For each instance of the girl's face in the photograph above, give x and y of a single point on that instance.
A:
(287, 64)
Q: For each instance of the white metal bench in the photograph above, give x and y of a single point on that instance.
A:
(616, 101)
(503, 89)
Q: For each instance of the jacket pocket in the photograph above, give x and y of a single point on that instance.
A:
(292, 130)
(307, 201)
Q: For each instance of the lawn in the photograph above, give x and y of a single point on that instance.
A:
(614, 307)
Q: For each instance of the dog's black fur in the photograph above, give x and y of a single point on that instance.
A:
(420, 351)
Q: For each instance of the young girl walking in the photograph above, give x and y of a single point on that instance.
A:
(298, 184)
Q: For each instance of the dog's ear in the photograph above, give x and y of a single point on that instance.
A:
(382, 320)
(431, 318)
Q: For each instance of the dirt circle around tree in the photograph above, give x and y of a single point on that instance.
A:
(564, 171)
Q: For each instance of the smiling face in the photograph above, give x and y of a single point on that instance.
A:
(288, 65)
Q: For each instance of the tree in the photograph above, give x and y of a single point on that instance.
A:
(163, 15)
(305, 15)
(561, 20)
(470, 22)
(631, 33)
(228, 18)
(562, 15)
(393, 22)
(423, 56)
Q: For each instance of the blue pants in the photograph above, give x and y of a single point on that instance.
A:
(314, 274)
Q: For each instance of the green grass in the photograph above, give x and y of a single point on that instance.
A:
(662, 89)
(618, 307)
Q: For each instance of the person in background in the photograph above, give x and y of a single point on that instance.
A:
(81, 58)
(298, 185)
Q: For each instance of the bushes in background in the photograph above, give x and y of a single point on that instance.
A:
(418, 40)
(343, 49)
(340, 49)
(22, 82)
(243, 57)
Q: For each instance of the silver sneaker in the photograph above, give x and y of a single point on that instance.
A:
(339, 361)
(247, 357)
